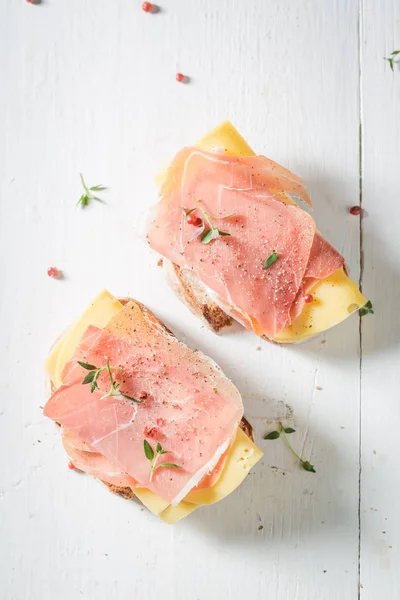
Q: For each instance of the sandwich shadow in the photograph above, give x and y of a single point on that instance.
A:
(284, 504)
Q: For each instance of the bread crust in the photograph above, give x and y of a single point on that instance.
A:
(195, 296)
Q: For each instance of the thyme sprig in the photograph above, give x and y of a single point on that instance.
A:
(92, 378)
(208, 231)
(392, 58)
(283, 432)
(88, 195)
(153, 458)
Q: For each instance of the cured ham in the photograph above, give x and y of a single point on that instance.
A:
(243, 203)
(188, 407)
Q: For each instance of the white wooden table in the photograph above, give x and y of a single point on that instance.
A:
(89, 85)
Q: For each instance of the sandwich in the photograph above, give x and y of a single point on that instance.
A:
(152, 419)
(235, 244)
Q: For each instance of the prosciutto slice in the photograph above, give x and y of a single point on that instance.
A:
(245, 198)
(191, 408)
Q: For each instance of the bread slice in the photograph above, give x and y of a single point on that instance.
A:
(126, 492)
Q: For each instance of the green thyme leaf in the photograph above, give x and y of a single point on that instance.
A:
(159, 449)
(148, 450)
(169, 465)
(392, 59)
(83, 200)
(89, 377)
(272, 436)
(308, 466)
(367, 309)
(272, 258)
(130, 398)
(86, 366)
(212, 234)
(208, 235)
(98, 188)
(290, 430)
(94, 385)
(188, 212)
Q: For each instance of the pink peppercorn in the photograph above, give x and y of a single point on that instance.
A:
(54, 273)
(147, 7)
(355, 210)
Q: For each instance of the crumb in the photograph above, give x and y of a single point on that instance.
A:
(341, 427)
(361, 585)
(160, 262)
(383, 531)
(258, 347)
(373, 451)
(323, 341)
(324, 570)
(318, 387)
(260, 527)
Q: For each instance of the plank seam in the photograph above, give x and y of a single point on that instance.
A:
(360, 282)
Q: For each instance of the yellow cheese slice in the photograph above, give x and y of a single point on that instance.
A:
(227, 137)
(175, 513)
(99, 313)
(154, 503)
(335, 298)
(243, 455)
(332, 296)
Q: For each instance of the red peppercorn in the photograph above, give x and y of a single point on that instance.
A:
(179, 77)
(355, 210)
(192, 219)
(141, 395)
(308, 298)
(150, 432)
(160, 421)
(71, 466)
(147, 7)
(54, 273)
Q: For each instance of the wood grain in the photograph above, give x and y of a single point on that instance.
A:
(380, 376)
(90, 87)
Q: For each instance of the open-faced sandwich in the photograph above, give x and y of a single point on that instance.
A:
(146, 415)
(236, 245)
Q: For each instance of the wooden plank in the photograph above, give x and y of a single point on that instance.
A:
(380, 484)
(91, 87)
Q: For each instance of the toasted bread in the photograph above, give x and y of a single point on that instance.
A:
(126, 492)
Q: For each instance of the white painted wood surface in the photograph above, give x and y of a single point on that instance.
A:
(90, 86)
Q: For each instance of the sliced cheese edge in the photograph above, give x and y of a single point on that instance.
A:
(243, 451)
(98, 313)
(175, 513)
(243, 455)
(335, 297)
